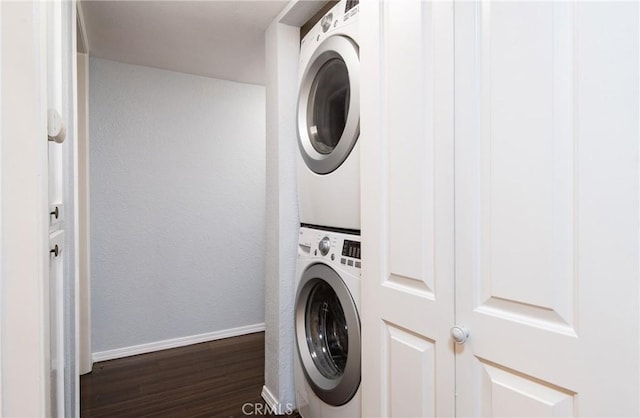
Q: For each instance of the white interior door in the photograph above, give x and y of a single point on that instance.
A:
(407, 221)
(546, 122)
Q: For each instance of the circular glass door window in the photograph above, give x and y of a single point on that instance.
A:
(328, 106)
(328, 118)
(328, 334)
(326, 331)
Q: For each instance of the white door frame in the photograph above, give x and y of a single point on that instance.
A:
(70, 196)
(1, 292)
(84, 359)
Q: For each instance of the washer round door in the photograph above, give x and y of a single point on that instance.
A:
(328, 335)
(329, 105)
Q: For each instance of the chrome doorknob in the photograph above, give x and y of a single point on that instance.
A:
(459, 334)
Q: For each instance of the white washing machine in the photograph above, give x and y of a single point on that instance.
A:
(327, 365)
(328, 121)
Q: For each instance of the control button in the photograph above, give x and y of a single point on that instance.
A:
(357, 264)
(350, 262)
(343, 261)
(333, 257)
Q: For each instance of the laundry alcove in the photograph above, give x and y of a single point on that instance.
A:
(177, 172)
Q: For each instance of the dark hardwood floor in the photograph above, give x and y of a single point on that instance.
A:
(213, 379)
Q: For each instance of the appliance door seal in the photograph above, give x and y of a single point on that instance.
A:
(328, 335)
(328, 116)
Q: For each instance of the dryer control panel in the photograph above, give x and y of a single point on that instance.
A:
(350, 5)
(341, 249)
(335, 20)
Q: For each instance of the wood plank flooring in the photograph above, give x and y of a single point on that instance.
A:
(213, 379)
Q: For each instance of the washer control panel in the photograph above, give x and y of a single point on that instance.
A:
(332, 247)
(351, 249)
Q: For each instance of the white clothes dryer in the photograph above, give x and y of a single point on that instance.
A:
(328, 121)
(327, 324)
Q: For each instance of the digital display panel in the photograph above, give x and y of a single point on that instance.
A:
(351, 4)
(351, 249)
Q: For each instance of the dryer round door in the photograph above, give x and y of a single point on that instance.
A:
(329, 105)
(328, 335)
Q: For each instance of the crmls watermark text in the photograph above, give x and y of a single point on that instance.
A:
(258, 408)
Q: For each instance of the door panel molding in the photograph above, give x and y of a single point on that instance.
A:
(514, 394)
(410, 357)
(526, 158)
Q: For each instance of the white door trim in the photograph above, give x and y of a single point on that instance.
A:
(70, 196)
(83, 300)
(1, 200)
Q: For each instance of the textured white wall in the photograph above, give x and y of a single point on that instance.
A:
(282, 210)
(282, 41)
(177, 204)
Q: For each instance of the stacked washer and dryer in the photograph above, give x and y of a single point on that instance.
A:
(327, 321)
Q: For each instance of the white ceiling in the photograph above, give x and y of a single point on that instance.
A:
(219, 39)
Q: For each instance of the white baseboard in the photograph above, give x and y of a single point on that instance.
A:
(273, 404)
(270, 399)
(175, 342)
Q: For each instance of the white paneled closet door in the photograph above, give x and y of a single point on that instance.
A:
(407, 216)
(546, 134)
(538, 258)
